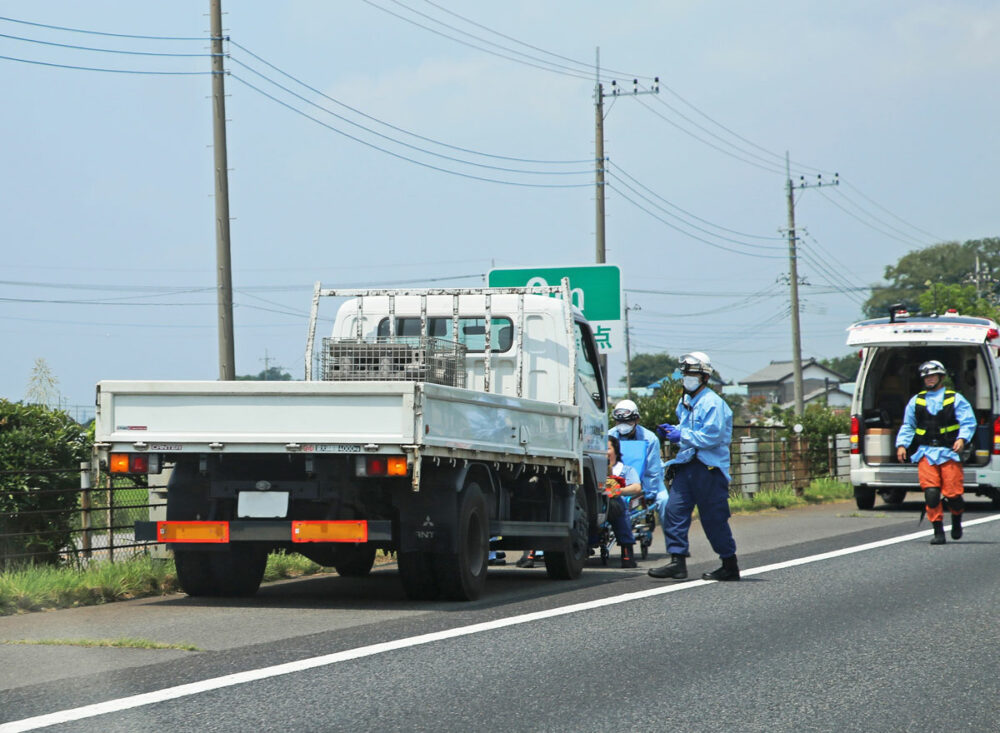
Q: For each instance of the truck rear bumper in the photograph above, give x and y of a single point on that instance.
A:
(264, 530)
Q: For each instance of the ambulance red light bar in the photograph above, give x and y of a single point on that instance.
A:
(902, 313)
(992, 334)
(134, 463)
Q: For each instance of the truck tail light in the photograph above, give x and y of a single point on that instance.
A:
(380, 466)
(354, 530)
(856, 434)
(192, 531)
(134, 463)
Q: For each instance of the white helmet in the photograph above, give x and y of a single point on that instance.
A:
(697, 362)
(625, 411)
(932, 367)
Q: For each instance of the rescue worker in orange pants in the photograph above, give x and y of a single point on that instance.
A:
(938, 422)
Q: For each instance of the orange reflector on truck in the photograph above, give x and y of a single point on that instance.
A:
(352, 530)
(396, 465)
(192, 531)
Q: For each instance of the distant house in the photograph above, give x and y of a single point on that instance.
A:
(776, 384)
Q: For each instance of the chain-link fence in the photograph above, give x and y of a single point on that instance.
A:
(75, 525)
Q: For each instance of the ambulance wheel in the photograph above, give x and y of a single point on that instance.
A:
(568, 564)
(864, 497)
(355, 561)
(461, 575)
(893, 496)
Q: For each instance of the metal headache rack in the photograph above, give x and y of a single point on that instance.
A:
(394, 359)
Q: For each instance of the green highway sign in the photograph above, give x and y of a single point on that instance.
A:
(595, 289)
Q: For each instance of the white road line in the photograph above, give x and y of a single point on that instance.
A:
(194, 688)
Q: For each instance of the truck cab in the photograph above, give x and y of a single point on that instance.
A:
(891, 350)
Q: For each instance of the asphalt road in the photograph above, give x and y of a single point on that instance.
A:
(818, 636)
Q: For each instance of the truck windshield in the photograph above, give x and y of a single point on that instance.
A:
(471, 331)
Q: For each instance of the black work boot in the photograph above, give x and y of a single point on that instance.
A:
(730, 570)
(938, 538)
(676, 569)
(956, 526)
(628, 559)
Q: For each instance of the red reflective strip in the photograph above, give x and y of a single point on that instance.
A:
(351, 530)
(217, 532)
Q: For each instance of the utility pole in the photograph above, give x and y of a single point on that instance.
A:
(223, 264)
(599, 169)
(793, 277)
(599, 161)
(628, 349)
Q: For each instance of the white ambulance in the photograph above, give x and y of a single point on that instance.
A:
(891, 350)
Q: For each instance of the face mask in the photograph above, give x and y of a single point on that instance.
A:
(691, 383)
(625, 428)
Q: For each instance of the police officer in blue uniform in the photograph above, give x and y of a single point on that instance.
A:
(700, 473)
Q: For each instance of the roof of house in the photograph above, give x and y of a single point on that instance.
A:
(815, 394)
(778, 371)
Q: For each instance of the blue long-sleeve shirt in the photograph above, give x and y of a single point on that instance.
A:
(706, 425)
(646, 461)
(936, 454)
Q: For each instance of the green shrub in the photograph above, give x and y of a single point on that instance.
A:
(40, 453)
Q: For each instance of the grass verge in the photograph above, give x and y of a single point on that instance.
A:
(820, 491)
(41, 588)
(124, 643)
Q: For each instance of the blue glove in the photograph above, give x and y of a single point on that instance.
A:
(671, 432)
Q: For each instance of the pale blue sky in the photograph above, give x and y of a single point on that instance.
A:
(106, 193)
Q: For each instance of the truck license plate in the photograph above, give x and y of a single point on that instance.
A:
(262, 504)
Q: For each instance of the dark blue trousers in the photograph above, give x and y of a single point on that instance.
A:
(696, 485)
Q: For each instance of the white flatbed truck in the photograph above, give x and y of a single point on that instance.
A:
(431, 421)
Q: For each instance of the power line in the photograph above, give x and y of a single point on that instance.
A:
(107, 71)
(584, 64)
(868, 224)
(405, 144)
(400, 156)
(688, 213)
(400, 129)
(102, 33)
(101, 50)
(544, 66)
(875, 203)
(686, 233)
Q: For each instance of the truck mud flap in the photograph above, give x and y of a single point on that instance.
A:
(427, 521)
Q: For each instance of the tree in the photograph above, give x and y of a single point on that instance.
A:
(271, 374)
(846, 365)
(649, 368)
(40, 454)
(947, 263)
(939, 297)
(43, 387)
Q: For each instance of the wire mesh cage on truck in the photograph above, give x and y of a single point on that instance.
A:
(408, 359)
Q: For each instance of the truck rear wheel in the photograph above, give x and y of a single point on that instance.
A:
(461, 575)
(417, 574)
(236, 571)
(568, 564)
(864, 496)
(355, 561)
